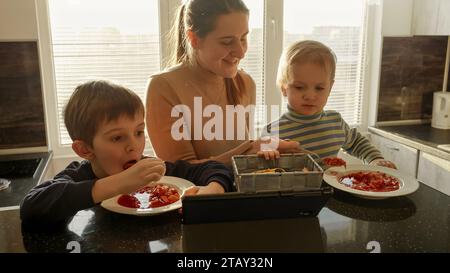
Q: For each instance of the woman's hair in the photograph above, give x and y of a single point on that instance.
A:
(95, 102)
(306, 51)
(200, 17)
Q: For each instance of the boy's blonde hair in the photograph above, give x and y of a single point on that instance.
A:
(307, 51)
(95, 102)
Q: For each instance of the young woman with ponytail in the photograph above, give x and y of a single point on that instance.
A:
(210, 39)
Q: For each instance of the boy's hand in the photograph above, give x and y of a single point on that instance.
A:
(140, 174)
(383, 163)
(274, 143)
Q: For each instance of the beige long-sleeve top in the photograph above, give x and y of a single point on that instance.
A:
(179, 86)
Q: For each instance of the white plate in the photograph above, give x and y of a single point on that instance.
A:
(179, 183)
(408, 184)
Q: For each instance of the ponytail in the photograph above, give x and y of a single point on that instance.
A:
(233, 86)
(178, 38)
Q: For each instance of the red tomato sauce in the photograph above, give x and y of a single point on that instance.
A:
(334, 161)
(370, 181)
(150, 197)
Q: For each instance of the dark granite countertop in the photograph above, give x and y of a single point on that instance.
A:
(419, 222)
(423, 133)
(19, 187)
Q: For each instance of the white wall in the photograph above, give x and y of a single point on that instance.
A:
(18, 20)
(397, 17)
(389, 18)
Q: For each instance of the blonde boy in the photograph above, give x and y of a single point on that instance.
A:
(305, 76)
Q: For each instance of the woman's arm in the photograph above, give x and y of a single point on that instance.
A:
(160, 102)
(202, 174)
(161, 99)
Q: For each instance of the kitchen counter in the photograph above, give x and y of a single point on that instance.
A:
(419, 136)
(19, 187)
(419, 222)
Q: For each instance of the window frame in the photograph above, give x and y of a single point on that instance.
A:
(273, 50)
(48, 71)
(273, 28)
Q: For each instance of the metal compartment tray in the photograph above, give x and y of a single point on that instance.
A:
(294, 177)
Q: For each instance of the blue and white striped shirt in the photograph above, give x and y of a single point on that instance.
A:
(324, 133)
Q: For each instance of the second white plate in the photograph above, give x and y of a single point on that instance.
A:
(408, 184)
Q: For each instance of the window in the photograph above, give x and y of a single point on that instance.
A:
(116, 40)
(340, 26)
(121, 40)
(253, 63)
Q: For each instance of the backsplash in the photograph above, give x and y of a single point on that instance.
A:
(22, 122)
(412, 69)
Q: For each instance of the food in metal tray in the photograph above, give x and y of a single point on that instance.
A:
(278, 170)
(272, 170)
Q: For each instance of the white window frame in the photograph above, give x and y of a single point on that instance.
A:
(273, 45)
(48, 69)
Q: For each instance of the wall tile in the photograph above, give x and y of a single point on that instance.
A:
(21, 103)
(412, 68)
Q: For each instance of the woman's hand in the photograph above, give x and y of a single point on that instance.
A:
(383, 163)
(269, 155)
(289, 146)
(211, 188)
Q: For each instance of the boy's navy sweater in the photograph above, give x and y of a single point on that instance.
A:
(70, 191)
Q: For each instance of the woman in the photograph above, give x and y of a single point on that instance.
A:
(211, 39)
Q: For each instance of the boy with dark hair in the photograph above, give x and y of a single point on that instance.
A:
(106, 123)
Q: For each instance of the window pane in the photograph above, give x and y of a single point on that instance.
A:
(253, 63)
(103, 39)
(340, 26)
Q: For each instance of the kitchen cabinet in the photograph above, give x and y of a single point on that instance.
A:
(430, 17)
(434, 172)
(403, 156)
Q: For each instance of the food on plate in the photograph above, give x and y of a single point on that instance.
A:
(273, 170)
(129, 201)
(151, 196)
(334, 162)
(373, 181)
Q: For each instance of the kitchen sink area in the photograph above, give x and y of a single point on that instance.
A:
(23, 172)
